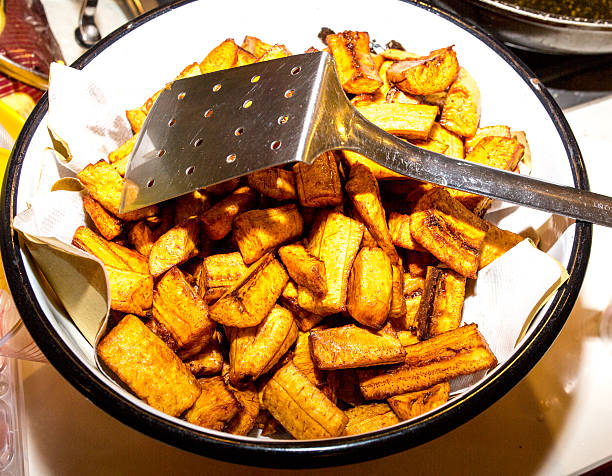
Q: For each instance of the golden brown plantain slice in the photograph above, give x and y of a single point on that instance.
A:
(258, 231)
(489, 131)
(461, 111)
(412, 121)
(255, 350)
(216, 405)
(223, 269)
(379, 172)
(105, 184)
(160, 331)
(399, 228)
(179, 308)
(335, 240)
(449, 231)
(218, 220)
(209, 361)
(304, 268)
(148, 367)
(496, 243)
(174, 247)
(300, 406)
(431, 144)
(304, 319)
(255, 46)
(441, 303)
(141, 237)
(302, 359)
(501, 152)
(351, 346)
(245, 419)
(222, 56)
(369, 417)
(458, 352)
(346, 386)
(123, 151)
(275, 52)
(130, 292)
(453, 141)
(250, 299)
(407, 338)
(425, 75)
(108, 225)
(398, 307)
(394, 95)
(369, 288)
(413, 404)
(395, 54)
(244, 57)
(362, 188)
(354, 63)
(136, 118)
(412, 292)
(318, 184)
(275, 182)
(191, 205)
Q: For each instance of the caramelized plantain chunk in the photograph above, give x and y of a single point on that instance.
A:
(461, 111)
(250, 299)
(300, 406)
(162, 332)
(362, 188)
(136, 118)
(174, 247)
(105, 184)
(335, 240)
(351, 346)
(412, 292)
(209, 361)
(425, 75)
(452, 140)
(148, 367)
(399, 228)
(223, 269)
(178, 307)
(305, 320)
(218, 220)
(275, 52)
(397, 54)
(417, 262)
(191, 205)
(130, 292)
(458, 352)
(441, 303)
(482, 132)
(260, 231)
(413, 404)
(407, 338)
(496, 243)
(222, 56)
(501, 152)
(275, 182)
(304, 268)
(346, 386)
(412, 121)
(398, 307)
(244, 57)
(255, 350)
(123, 151)
(108, 225)
(245, 419)
(141, 237)
(318, 184)
(255, 46)
(379, 172)
(369, 288)
(216, 405)
(356, 69)
(394, 95)
(449, 231)
(370, 417)
(302, 359)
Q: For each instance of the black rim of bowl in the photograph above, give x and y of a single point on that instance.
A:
(268, 453)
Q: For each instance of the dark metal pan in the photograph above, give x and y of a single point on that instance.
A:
(535, 30)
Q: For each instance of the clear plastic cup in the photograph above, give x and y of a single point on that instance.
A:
(15, 340)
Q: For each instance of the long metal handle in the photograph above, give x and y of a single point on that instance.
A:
(87, 33)
(428, 166)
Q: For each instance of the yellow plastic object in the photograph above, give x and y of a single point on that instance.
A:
(10, 120)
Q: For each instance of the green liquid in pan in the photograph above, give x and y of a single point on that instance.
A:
(591, 9)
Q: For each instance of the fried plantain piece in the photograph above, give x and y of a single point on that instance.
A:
(521, 137)
(461, 111)
(141, 237)
(346, 386)
(255, 350)
(304, 268)
(305, 320)
(458, 352)
(209, 361)
(244, 57)
(174, 247)
(105, 184)
(449, 231)
(496, 243)
(222, 56)
(111, 254)
(362, 188)
(369, 417)
(407, 338)
(396, 54)
(412, 292)
(250, 299)
(148, 367)
(318, 184)
(123, 151)
(489, 131)
(212, 295)
(255, 46)
(441, 303)
(425, 75)
(370, 287)
(275, 182)
(162, 332)
(354, 63)
(275, 52)
(223, 269)
(245, 419)
(398, 307)
(216, 405)
(130, 292)
(417, 262)
(453, 141)
(413, 404)
(411, 121)
(258, 231)
(191, 205)
(300, 406)
(352, 346)
(394, 95)
(335, 240)
(136, 118)
(501, 152)
(218, 220)
(108, 225)
(379, 172)
(399, 228)
(302, 359)
(185, 314)
(267, 423)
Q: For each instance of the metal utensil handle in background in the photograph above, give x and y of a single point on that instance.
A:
(406, 159)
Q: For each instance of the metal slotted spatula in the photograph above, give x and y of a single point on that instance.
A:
(211, 128)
